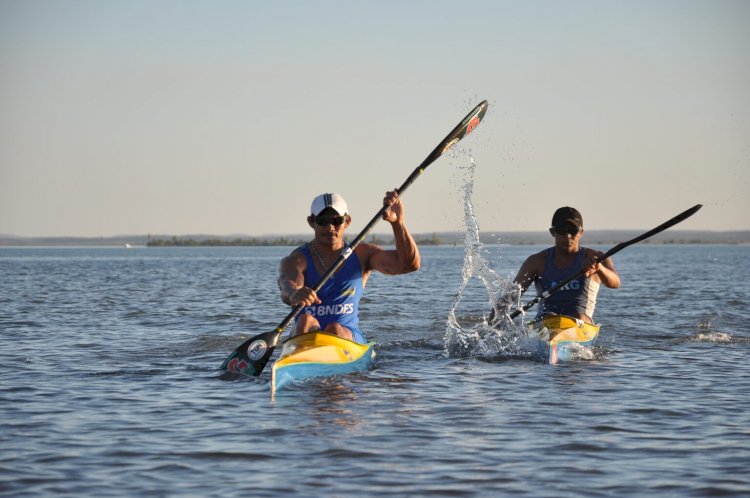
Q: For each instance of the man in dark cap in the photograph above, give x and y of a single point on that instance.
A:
(335, 307)
(567, 257)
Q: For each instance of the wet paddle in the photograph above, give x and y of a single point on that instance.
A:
(619, 247)
(252, 355)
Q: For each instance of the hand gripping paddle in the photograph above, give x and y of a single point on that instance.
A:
(252, 355)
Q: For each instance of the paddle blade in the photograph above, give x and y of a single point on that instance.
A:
(251, 356)
(465, 127)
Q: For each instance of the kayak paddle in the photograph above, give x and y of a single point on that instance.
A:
(252, 355)
(622, 245)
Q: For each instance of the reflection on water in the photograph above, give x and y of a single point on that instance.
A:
(322, 405)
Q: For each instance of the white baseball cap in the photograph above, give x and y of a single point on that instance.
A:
(334, 201)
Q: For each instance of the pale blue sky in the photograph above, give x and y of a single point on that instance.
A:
(225, 117)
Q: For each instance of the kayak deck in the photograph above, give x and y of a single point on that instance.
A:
(558, 337)
(317, 354)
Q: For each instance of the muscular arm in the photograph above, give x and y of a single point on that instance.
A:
(603, 270)
(405, 258)
(530, 270)
(292, 281)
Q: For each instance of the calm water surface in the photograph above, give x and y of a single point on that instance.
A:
(109, 383)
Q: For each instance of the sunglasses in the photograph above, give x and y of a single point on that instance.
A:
(329, 220)
(573, 231)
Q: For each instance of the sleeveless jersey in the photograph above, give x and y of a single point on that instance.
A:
(578, 295)
(339, 296)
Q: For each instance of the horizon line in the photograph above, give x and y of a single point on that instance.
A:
(305, 234)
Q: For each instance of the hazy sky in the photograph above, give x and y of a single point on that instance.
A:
(227, 117)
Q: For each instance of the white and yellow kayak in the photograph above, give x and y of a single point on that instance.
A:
(317, 354)
(558, 337)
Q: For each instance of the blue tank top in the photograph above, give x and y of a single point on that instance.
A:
(578, 295)
(340, 295)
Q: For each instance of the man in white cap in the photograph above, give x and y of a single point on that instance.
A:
(567, 257)
(335, 307)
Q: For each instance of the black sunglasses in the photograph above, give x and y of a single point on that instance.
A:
(329, 220)
(573, 231)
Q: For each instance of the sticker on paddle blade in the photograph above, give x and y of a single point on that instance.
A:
(472, 124)
(237, 365)
(257, 349)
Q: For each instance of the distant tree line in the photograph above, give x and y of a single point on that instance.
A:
(279, 241)
(422, 241)
(182, 242)
(599, 237)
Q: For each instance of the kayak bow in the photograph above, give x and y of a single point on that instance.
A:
(559, 336)
(317, 354)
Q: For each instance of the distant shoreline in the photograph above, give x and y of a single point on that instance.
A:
(594, 237)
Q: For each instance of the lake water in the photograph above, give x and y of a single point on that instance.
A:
(109, 383)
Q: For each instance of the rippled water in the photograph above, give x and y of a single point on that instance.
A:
(109, 387)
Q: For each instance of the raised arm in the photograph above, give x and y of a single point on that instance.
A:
(405, 258)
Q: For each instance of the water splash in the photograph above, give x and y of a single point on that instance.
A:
(477, 337)
(707, 333)
(718, 337)
(579, 352)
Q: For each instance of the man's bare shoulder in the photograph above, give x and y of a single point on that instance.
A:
(536, 261)
(295, 257)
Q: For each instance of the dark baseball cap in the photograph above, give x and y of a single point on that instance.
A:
(567, 216)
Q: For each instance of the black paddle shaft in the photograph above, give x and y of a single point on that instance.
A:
(619, 247)
(253, 354)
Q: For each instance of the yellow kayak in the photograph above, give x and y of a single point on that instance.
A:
(317, 354)
(558, 337)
